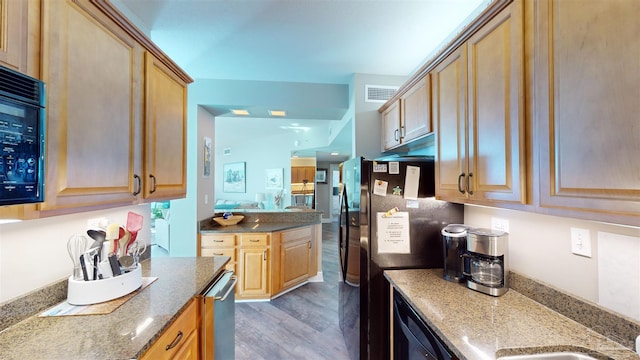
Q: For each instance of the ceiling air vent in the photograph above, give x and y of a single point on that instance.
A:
(379, 93)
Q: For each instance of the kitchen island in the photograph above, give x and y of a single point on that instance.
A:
(478, 326)
(271, 251)
(125, 333)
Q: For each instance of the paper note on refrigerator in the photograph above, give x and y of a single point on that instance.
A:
(411, 182)
(393, 233)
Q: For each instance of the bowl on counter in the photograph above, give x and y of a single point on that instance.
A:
(230, 220)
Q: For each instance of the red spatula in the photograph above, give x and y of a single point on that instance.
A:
(134, 224)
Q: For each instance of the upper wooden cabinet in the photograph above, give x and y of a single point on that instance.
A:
(415, 116)
(478, 111)
(391, 126)
(94, 72)
(301, 173)
(165, 165)
(116, 112)
(19, 35)
(409, 117)
(587, 71)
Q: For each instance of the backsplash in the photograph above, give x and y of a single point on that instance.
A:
(617, 327)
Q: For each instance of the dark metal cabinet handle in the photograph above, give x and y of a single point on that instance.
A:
(462, 175)
(138, 184)
(154, 184)
(264, 255)
(395, 135)
(254, 240)
(403, 132)
(175, 341)
(469, 184)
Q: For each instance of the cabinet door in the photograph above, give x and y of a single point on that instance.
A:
(165, 132)
(179, 339)
(416, 110)
(296, 261)
(495, 119)
(93, 107)
(391, 126)
(587, 71)
(449, 115)
(13, 34)
(254, 273)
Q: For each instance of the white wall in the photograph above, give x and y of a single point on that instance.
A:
(540, 248)
(33, 253)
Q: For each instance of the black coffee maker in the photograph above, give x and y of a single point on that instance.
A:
(454, 238)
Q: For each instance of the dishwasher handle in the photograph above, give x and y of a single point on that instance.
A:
(229, 287)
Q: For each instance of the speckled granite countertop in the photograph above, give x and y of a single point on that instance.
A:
(478, 326)
(268, 221)
(115, 335)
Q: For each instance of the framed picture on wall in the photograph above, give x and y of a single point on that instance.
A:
(206, 166)
(274, 179)
(233, 177)
(321, 176)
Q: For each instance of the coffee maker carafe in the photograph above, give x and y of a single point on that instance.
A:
(486, 268)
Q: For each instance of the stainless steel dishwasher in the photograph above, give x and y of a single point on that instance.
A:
(219, 317)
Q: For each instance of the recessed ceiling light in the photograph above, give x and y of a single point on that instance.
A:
(280, 113)
(240, 112)
(335, 154)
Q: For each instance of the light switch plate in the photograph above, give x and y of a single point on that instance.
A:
(581, 242)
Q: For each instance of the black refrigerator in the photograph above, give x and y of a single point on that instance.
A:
(389, 219)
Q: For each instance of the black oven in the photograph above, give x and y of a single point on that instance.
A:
(413, 339)
(22, 137)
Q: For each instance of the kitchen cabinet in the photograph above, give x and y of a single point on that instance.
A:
(93, 71)
(586, 66)
(266, 264)
(409, 117)
(180, 339)
(391, 126)
(165, 165)
(298, 256)
(301, 173)
(254, 266)
(478, 114)
(20, 34)
(220, 245)
(116, 118)
(415, 115)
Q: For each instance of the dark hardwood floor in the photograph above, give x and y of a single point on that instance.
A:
(301, 324)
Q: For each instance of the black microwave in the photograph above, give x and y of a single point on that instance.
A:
(22, 138)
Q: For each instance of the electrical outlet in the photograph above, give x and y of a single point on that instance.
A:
(97, 223)
(206, 199)
(500, 224)
(581, 242)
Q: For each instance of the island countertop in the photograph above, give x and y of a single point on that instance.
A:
(478, 326)
(125, 333)
(263, 221)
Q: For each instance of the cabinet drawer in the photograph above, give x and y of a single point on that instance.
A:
(218, 241)
(253, 240)
(219, 252)
(176, 334)
(296, 234)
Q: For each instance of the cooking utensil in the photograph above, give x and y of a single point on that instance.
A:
(99, 237)
(112, 236)
(136, 250)
(76, 246)
(85, 276)
(115, 267)
(134, 224)
(122, 242)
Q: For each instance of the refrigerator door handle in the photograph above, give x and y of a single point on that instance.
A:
(344, 209)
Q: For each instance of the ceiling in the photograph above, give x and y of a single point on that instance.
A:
(303, 41)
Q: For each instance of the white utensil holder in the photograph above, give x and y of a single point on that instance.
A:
(81, 292)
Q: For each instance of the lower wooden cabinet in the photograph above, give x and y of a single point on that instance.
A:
(266, 263)
(180, 339)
